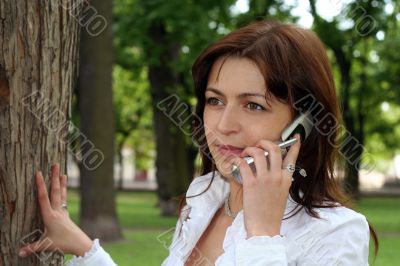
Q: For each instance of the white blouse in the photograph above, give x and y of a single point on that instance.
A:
(340, 237)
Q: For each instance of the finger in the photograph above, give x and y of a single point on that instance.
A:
(55, 186)
(260, 161)
(246, 173)
(291, 156)
(35, 247)
(274, 154)
(43, 196)
(63, 188)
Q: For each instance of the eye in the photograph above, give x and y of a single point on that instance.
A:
(255, 106)
(213, 101)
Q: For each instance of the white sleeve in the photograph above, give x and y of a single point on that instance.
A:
(345, 243)
(94, 257)
(261, 250)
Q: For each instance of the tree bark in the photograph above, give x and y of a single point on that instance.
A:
(97, 213)
(38, 58)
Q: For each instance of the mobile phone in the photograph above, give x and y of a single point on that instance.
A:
(302, 124)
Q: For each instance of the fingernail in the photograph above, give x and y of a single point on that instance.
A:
(22, 253)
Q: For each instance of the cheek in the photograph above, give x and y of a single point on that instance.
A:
(209, 119)
(258, 131)
(209, 126)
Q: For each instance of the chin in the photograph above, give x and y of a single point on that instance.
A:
(224, 165)
(225, 173)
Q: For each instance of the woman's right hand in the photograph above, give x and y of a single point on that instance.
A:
(60, 232)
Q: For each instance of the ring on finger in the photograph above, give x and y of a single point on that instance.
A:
(64, 206)
(290, 168)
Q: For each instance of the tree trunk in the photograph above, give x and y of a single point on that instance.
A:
(352, 170)
(351, 179)
(38, 58)
(98, 213)
(173, 173)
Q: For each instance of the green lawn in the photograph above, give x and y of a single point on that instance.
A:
(147, 235)
(384, 215)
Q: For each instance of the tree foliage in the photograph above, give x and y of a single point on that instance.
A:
(361, 41)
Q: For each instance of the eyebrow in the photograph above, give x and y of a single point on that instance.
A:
(242, 95)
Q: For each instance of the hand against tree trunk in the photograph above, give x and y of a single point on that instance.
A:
(60, 232)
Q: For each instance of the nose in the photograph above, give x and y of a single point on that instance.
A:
(228, 122)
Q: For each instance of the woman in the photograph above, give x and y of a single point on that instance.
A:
(250, 85)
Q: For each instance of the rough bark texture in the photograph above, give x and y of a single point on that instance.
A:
(97, 214)
(38, 58)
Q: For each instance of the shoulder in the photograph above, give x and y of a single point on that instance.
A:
(339, 237)
(334, 224)
(343, 216)
(200, 183)
(203, 178)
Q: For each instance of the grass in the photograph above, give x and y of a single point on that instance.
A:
(143, 226)
(384, 215)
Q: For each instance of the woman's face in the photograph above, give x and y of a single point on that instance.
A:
(237, 114)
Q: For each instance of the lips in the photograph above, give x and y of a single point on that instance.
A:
(229, 150)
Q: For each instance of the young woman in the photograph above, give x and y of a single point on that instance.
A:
(288, 209)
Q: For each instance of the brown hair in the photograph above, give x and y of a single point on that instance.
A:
(295, 64)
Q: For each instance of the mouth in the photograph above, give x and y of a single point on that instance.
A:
(229, 150)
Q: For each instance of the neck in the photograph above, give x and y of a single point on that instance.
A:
(235, 196)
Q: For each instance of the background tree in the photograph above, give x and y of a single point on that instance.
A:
(95, 102)
(382, 126)
(168, 42)
(265, 9)
(351, 49)
(38, 59)
(164, 43)
(133, 118)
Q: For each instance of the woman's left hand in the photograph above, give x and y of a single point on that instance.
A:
(265, 192)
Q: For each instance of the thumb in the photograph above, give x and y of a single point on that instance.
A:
(35, 247)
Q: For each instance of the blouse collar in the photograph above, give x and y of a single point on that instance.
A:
(203, 200)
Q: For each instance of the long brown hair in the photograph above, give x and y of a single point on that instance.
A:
(295, 64)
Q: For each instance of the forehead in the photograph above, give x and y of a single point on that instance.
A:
(236, 75)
